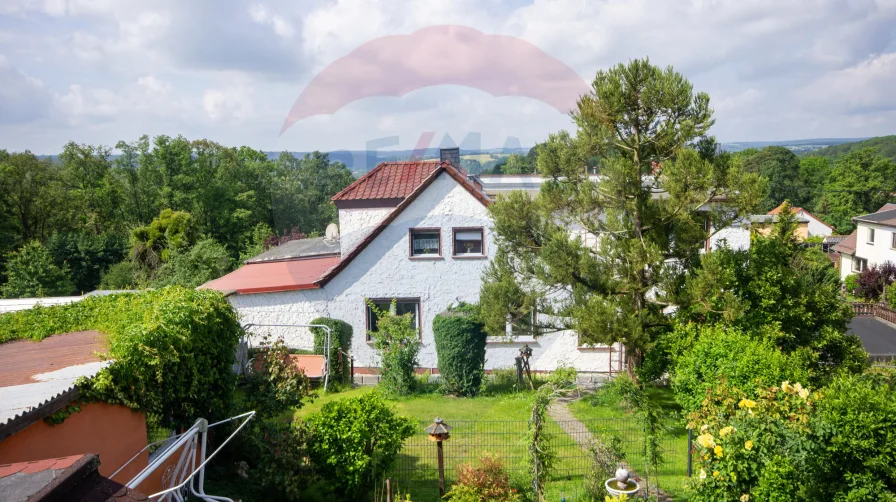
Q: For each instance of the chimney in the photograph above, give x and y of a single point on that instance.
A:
(450, 155)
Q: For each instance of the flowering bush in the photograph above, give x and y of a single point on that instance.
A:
(487, 483)
(752, 447)
(791, 443)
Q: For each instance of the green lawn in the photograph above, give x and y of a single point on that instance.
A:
(609, 416)
(492, 424)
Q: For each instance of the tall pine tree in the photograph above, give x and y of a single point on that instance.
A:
(599, 255)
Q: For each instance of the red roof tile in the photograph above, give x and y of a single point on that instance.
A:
(389, 180)
(275, 276)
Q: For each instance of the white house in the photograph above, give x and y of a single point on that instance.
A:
(816, 226)
(872, 242)
(414, 231)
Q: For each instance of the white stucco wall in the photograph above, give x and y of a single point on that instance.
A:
(882, 249)
(355, 224)
(736, 236)
(845, 265)
(816, 227)
(384, 270)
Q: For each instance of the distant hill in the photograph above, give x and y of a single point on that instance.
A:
(798, 146)
(885, 146)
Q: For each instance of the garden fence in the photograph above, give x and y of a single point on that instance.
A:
(416, 468)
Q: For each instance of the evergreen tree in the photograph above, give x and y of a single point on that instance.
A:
(635, 228)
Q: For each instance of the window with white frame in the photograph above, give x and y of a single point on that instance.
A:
(870, 236)
(425, 243)
(859, 264)
(401, 306)
(893, 240)
(469, 242)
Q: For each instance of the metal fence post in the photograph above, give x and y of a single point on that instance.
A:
(690, 452)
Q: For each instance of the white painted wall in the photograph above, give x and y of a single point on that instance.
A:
(355, 224)
(845, 265)
(383, 270)
(13, 305)
(882, 250)
(816, 227)
(736, 236)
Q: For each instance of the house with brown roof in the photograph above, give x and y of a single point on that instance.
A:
(872, 242)
(417, 232)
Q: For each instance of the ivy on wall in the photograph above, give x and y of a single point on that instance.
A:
(172, 349)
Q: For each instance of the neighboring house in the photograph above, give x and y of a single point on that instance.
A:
(414, 231)
(872, 242)
(737, 235)
(37, 383)
(815, 226)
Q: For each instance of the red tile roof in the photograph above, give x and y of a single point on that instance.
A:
(289, 275)
(473, 188)
(389, 180)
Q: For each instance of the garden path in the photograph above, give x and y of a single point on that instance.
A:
(560, 412)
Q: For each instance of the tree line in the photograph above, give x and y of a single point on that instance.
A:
(166, 210)
(835, 184)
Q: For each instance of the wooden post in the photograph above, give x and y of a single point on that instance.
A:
(388, 489)
(441, 469)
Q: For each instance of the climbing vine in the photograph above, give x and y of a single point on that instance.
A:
(171, 349)
(540, 456)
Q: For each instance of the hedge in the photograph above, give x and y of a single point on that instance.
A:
(460, 347)
(172, 349)
(340, 368)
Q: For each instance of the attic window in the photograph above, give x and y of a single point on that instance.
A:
(469, 242)
(425, 243)
(870, 236)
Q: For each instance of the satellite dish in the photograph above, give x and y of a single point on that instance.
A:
(332, 233)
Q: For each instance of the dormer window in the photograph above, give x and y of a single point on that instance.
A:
(425, 243)
(469, 242)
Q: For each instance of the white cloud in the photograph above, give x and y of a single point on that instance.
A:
(228, 104)
(866, 87)
(232, 69)
(261, 15)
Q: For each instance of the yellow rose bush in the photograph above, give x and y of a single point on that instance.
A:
(741, 436)
(789, 442)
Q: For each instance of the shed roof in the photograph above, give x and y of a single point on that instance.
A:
(302, 248)
(35, 375)
(73, 478)
(269, 277)
(847, 245)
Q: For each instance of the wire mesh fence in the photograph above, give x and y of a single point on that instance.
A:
(416, 468)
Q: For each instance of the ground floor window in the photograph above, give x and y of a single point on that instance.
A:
(859, 264)
(402, 306)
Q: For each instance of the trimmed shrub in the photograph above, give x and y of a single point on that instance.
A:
(460, 347)
(353, 439)
(172, 349)
(728, 354)
(340, 368)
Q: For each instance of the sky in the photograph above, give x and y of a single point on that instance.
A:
(103, 71)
